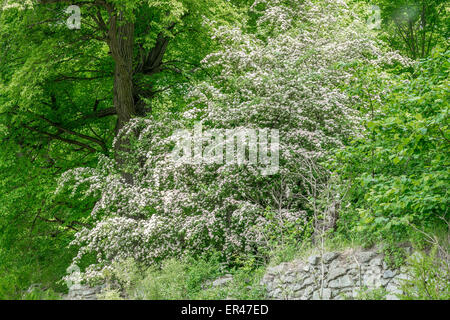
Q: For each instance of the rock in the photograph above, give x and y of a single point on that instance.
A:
(354, 272)
(384, 282)
(301, 277)
(334, 273)
(313, 260)
(294, 273)
(297, 295)
(268, 285)
(393, 290)
(277, 294)
(287, 278)
(298, 287)
(316, 295)
(371, 280)
(389, 274)
(335, 264)
(376, 261)
(366, 256)
(402, 277)
(267, 278)
(308, 293)
(326, 294)
(277, 269)
(343, 295)
(330, 256)
(277, 283)
(374, 270)
(354, 266)
(308, 281)
(82, 292)
(342, 282)
(222, 281)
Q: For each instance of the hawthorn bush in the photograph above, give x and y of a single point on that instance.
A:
(288, 74)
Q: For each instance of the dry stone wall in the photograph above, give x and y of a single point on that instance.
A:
(332, 276)
(83, 292)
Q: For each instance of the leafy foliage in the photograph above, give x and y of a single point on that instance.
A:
(428, 277)
(399, 170)
(185, 279)
(415, 26)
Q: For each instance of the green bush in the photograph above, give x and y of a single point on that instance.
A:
(37, 293)
(394, 256)
(169, 283)
(399, 169)
(374, 294)
(183, 279)
(428, 277)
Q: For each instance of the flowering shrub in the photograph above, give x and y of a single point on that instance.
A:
(289, 75)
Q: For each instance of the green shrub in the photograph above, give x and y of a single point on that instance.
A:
(394, 256)
(110, 294)
(399, 168)
(38, 293)
(373, 294)
(187, 278)
(169, 283)
(428, 277)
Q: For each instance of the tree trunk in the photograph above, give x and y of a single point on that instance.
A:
(121, 40)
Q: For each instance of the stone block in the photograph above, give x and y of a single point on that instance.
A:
(313, 260)
(330, 256)
(342, 282)
(388, 274)
(366, 256)
(337, 272)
